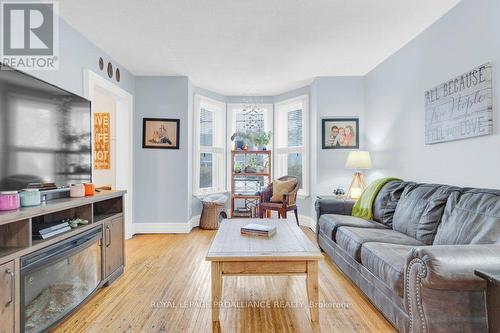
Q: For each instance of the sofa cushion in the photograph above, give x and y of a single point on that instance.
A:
(350, 239)
(387, 262)
(471, 217)
(386, 201)
(329, 223)
(420, 210)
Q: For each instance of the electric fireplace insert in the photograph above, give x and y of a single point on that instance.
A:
(56, 279)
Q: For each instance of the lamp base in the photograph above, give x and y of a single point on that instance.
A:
(357, 185)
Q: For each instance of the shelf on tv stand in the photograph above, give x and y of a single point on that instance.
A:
(16, 225)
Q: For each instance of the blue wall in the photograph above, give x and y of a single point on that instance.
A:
(341, 97)
(466, 37)
(161, 176)
(76, 53)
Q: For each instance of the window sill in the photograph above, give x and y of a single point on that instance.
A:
(303, 196)
(205, 194)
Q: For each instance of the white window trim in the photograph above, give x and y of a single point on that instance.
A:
(231, 128)
(219, 173)
(281, 151)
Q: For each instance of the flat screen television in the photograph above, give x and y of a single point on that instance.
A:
(45, 133)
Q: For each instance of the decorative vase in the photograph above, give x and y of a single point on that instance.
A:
(89, 189)
(9, 200)
(250, 169)
(239, 144)
(77, 191)
(30, 197)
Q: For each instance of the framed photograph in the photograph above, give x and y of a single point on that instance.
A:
(340, 133)
(160, 133)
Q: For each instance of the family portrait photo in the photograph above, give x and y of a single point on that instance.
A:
(340, 133)
(160, 133)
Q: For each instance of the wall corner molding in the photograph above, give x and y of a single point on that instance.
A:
(308, 222)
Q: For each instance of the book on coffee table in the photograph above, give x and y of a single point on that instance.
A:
(254, 229)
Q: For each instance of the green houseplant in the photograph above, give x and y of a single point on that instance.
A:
(262, 139)
(237, 168)
(251, 165)
(240, 139)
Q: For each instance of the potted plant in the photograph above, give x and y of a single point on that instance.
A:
(240, 139)
(237, 168)
(262, 139)
(251, 165)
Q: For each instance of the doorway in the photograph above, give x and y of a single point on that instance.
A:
(108, 97)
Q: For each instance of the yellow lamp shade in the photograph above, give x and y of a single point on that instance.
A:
(359, 160)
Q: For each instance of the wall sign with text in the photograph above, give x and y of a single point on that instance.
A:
(461, 107)
(102, 137)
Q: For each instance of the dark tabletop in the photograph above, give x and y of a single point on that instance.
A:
(492, 276)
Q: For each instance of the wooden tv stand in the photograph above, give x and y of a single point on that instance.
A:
(104, 210)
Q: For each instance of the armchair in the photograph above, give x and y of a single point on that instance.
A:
(288, 202)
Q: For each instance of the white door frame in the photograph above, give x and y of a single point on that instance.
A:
(124, 137)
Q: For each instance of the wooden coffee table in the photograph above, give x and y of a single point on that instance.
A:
(288, 252)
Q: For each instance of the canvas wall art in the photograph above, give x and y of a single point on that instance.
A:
(461, 107)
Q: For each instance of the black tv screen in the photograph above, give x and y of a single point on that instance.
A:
(45, 133)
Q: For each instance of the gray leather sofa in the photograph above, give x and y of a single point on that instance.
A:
(415, 261)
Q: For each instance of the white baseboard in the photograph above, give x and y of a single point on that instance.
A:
(166, 228)
(194, 222)
(185, 228)
(161, 228)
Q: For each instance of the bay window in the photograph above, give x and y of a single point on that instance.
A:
(247, 118)
(209, 146)
(291, 149)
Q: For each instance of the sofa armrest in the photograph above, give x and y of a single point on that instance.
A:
(441, 292)
(451, 267)
(333, 206)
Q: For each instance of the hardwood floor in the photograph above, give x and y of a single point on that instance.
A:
(166, 288)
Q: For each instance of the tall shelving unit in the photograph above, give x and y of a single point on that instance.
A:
(244, 185)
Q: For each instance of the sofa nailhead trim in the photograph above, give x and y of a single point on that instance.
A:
(421, 273)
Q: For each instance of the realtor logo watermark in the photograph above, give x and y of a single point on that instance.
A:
(30, 35)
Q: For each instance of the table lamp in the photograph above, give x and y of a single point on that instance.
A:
(358, 160)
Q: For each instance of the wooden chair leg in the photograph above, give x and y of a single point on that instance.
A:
(296, 215)
(261, 212)
(284, 214)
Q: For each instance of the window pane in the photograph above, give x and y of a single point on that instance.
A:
(250, 119)
(294, 167)
(206, 167)
(206, 127)
(295, 128)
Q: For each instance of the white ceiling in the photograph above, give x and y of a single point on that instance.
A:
(251, 47)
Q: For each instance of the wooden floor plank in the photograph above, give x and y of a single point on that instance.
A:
(166, 288)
